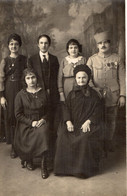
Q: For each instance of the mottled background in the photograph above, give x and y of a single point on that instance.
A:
(62, 20)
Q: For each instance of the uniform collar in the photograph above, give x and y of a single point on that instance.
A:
(104, 55)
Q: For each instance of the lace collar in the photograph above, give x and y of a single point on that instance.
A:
(74, 60)
(36, 91)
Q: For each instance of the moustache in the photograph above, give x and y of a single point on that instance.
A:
(103, 47)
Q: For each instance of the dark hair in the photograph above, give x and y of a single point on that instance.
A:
(82, 67)
(106, 41)
(25, 73)
(44, 35)
(16, 37)
(74, 42)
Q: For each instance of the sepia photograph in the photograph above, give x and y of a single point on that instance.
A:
(62, 98)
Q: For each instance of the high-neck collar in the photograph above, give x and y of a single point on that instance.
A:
(84, 89)
(104, 55)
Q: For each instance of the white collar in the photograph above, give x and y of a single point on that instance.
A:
(74, 60)
(46, 54)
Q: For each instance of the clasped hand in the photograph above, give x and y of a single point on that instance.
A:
(3, 102)
(86, 126)
(38, 123)
(121, 101)
(62, 97)
(70, 126)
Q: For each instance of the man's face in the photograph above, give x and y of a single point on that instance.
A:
(104, 46)
(43, 44)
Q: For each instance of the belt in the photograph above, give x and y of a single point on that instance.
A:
(13, 78)
(66, 77)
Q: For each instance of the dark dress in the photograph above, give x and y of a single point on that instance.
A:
(13, 70)
(52, 73)
(31, 142)
(78, 153)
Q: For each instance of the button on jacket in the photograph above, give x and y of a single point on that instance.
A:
(108, 73)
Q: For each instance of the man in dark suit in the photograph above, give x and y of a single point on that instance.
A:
(46, 65)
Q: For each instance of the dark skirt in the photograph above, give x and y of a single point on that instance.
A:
(11, 90)
(77, 153)
(31, 142)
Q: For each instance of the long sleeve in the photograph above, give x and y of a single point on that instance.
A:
(60, 77)
(29, 63)
(2, 76)
(96, 114)
(19, 111)
(121, 75)
(56, 70)
(67, 109)
(91, 82)
(89, 64)
(47, 109)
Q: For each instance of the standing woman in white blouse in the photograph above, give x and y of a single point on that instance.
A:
(65, 76)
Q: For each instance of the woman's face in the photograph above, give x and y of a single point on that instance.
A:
(13, 46)
(31, 80)
(73, 50)
(81, 78)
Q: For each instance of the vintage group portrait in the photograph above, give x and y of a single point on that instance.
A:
(62, 98)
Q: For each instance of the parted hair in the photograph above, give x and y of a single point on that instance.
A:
(25, 73)
(73, 42)
(16, 37)
(44, 35)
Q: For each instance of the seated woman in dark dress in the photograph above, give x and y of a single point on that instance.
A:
(78, 148)
(31, 111)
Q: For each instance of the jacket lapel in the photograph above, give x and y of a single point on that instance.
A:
(38, 65)
(50, 65)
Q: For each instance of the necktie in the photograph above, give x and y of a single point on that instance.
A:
(45, 60)
(45, 68)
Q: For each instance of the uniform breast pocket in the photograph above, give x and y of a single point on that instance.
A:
(112, 69)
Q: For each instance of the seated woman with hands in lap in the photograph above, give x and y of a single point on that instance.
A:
(78, 148)
(32, 128)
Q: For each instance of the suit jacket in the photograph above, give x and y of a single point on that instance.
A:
(35, 63)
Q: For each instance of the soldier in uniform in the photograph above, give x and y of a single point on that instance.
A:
(108, 78)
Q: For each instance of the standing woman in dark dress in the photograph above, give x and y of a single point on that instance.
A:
(78, 147)
(32, 128)
(11, 69)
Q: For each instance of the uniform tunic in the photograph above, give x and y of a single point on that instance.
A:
(65, 76)
(31, 142)
(109, 74)
(11, 70)
(78, 152)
